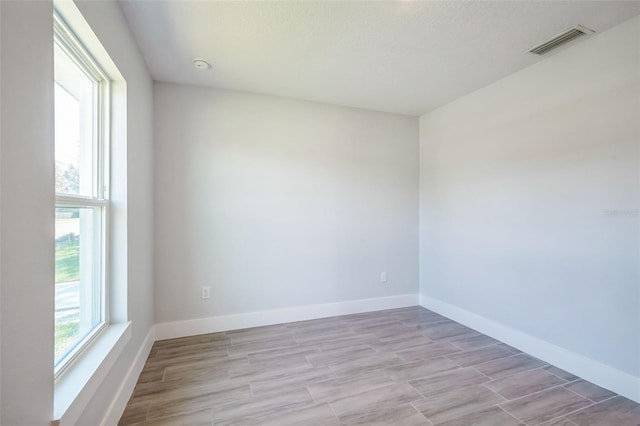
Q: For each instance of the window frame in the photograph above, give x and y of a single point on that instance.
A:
(99, 201)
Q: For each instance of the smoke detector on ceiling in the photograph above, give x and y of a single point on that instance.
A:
(561, 39)
(201, 64)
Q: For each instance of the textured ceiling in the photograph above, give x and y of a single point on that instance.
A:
(403, 57)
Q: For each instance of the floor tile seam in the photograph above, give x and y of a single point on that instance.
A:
(542, 367)
(505, 400)
(263, 350)
(458, 346)
(289, 386)
(169, 396)
(511, 349)
(421, 377)
(557, 375)
(481, 408)
(211, 411)
(146, 414)
(306, 357)
(417, 390)
(332, 373)
(565, 415)
(561, 385)
(330, 403)
(374, 410)
(196, 345)
(496, 343)
(254, 416)
(425, 417)
(332, 410)
(261, 340)
(449, 358)
(271, 392)
(374, 388)
(607, 399)
(434, 322)
(249, 379)
(513, 374)
(494, 392)
(511, 414)
(481, 363)
(480, 372)
(164, 373)
(523, 372)
(583, 396)
(465, 387)
(557, 417)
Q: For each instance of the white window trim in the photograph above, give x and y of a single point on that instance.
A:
(77, 52)
(74, 389)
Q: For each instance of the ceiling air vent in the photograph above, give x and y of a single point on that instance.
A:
(567, 36)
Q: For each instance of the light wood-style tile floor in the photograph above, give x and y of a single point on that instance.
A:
(405, 366)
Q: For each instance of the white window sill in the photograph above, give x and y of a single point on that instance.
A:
(75, 388)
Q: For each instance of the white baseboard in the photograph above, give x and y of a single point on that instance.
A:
(596, 372)
(119, 402)
(169, 330)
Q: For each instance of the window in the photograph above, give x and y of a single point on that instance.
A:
(82, 201)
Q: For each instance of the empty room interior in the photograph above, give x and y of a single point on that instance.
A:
(319, 213)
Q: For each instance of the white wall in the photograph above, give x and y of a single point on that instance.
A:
(277, 203)
(515, 182)
(26, 212)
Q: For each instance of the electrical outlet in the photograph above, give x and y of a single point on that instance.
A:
(206, 292)
(383, 277)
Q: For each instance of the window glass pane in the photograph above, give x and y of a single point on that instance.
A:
(75, 95)
(78, 294)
